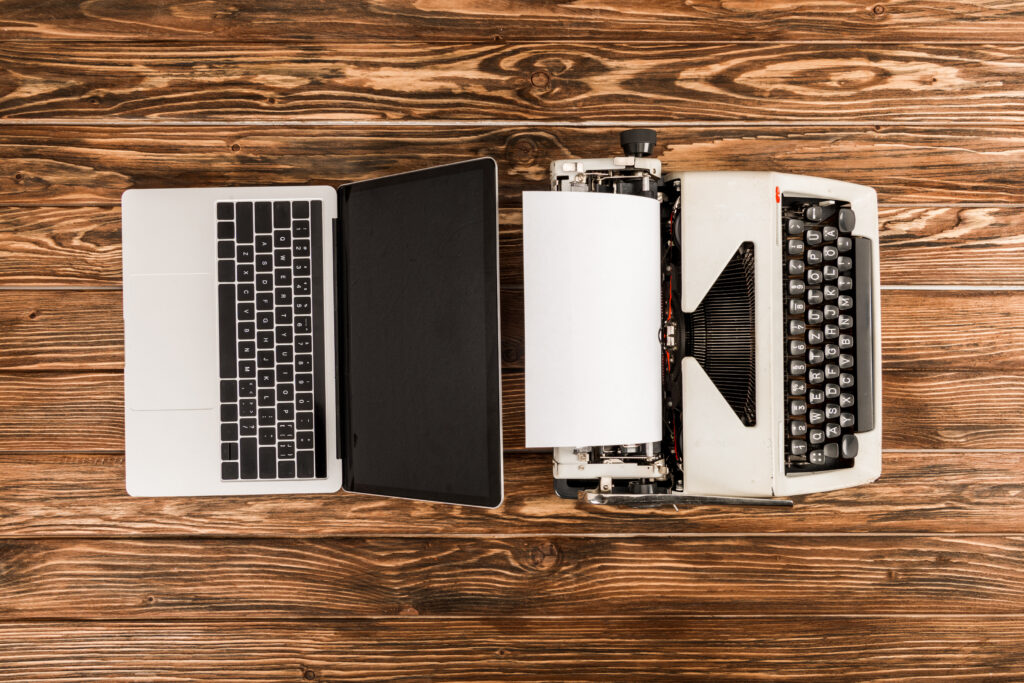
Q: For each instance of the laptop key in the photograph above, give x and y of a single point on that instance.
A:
(246, 310)
(286, 470)
(283, 335)
(243, 222)
(225, 271)
(245, 273)
(229, 431)
(247, 407)
(302, 266)
(267, 417)
(264, 282)
(262, 217)
(247, 388)
(265, 378)
(264, 301)
(245, 253)
(264, 243)
(285, 430)
(282, 214)
(247, 457)
(246, 291)
(265, 359)
(300, 228)
(301, 248)
(285, 411)
(302, 285)
(282, 258)
(229, 470)
(265, 397)
(227, 339)
(285, 392)
(267, 436)
(226, 210)
(304, 363)
(304, 382)
(283, 239)
(265, 320)
(228, 391)
(304, 464)
(247, 427)
(283, 278)
(265, 340)
(268, 462)
(283, 316)
(304, 401)
(226, 249)
(284, 354)
(229, 451)
(304, 344)
(304, 420)
(246, 330)
(264, 262)
(229, 412)
(303, 324)
(225, 230)
(304, 440)
(303, 305)
(247, 349)
(246, 369)
(300, 209)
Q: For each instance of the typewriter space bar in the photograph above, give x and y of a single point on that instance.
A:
(864, 336)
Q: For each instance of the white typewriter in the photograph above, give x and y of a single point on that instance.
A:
(701, 336)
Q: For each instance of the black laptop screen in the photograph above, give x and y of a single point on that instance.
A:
(418, 332)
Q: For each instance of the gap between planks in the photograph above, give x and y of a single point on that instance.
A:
(498, 123)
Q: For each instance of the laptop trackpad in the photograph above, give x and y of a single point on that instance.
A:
(170, 342)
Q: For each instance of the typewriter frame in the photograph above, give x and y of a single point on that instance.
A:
(722, 460)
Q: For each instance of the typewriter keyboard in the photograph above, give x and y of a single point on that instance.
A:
(825, 341)
(271, 332)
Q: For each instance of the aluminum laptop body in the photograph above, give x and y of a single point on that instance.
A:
(405, 329)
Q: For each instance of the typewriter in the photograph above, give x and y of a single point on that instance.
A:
(766, 332)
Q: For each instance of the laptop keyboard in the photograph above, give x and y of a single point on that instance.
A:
(271, 340)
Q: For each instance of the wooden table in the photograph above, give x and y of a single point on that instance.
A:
(919, 575)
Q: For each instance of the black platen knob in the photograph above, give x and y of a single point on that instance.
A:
(638, 142)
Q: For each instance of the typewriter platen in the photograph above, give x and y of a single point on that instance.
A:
(770, 337)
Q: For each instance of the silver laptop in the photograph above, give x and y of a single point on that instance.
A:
(306, 339)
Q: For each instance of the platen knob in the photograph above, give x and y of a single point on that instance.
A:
(638, 142)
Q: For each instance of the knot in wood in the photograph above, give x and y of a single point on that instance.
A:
(522, 151)
(544, 555)
(541, 80)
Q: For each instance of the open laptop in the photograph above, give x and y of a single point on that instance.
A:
(305, 339)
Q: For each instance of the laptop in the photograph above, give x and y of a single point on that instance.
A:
(307, 339)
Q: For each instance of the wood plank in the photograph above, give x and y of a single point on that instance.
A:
(93, 165)
(922, 330)
(981, 648)
(352, 21)
(60, 246)
(58, 494)
(81, 246)
(57, 411)
(103, 579)
(723, 82)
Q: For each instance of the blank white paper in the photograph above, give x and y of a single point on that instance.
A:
(592, 300)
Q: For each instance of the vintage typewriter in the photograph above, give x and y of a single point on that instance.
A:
(767, 333)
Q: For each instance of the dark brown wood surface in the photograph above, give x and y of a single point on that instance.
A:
(915, 577)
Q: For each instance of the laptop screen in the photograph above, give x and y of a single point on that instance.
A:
(417, 283)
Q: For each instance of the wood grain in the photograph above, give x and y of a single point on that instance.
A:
(723, 82)
(904, 648)
(927, 492)
(75, 411)
(83, 330)
(289, 579)
(93, 165)
(983, 246)
(336, 21)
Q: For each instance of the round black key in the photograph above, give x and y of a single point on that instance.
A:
(830, 273)
(831, 311)
(832, 431)
(797, 407)
(831, 351)
(844, 283)
(816, 436)
(848, 447)
(845, 400)
(816, 457)
(845, 322)
(813, 277)
(797, 387)
(814, 337)
(796, 267)
(813, 238)
(844, 244)
(831, 451)
(796, 307)
(845, 380)
(813, 257)
(829, 252)
(798, 447)
(815, 376)
(831, 331)
(831, 371)
(831, 391)
(797, 347)
(846, 420)
(795, 247)
(796, 287)
(847, 220)
(797, 428)
(830, 233)
(845, 341)
(795, 226)
(816, 396)
(797, 367)
(797, 327)
(814, 297)
(845, 361)
(844, 263)
(815, 356)
(814, 316)
(813, 213)
(815, 416)
(830, 292)
(831, 412)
